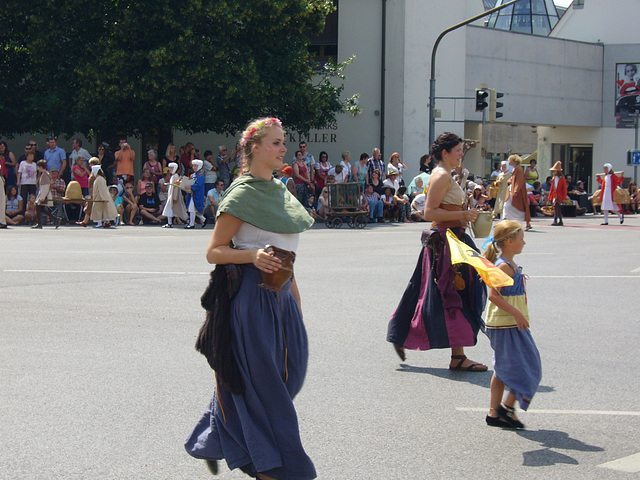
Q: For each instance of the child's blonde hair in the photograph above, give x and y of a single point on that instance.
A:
(502, 232)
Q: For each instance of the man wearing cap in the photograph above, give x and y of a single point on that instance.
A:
(55, 156)
(149, 205)
(195, 200)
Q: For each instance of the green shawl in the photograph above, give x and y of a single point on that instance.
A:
(266, 204)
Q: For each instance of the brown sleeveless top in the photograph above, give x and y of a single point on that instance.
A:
(453, 201)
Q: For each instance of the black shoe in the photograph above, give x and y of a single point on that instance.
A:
(204, 224)
(506, 414)
(168, 225)
(621, 219)
(58, 222)
(560, 224)
(212, 465)
(495, 422)
(189, 227)
(605, 223)
(37, 225)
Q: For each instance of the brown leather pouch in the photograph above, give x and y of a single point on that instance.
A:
(274, 281)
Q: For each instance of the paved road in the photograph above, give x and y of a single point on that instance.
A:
(99, 378)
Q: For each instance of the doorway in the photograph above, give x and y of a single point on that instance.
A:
(577, 162)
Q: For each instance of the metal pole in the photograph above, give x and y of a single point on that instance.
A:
(635, 167)
(432, 81)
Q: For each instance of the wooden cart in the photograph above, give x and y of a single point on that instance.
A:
(344, 203)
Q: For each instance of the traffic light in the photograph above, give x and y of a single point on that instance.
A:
(481, 97)
(494, 104)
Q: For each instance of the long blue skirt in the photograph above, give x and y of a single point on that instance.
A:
(516, 362)
(257, 431)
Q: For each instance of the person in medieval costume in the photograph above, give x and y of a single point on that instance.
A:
(195, 200)
(104, 211)
(174, 207)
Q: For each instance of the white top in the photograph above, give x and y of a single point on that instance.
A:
(210, 176)
(420, 202)
(607, 202)
(249, 236)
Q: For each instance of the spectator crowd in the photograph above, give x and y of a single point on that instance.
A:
(385, 195)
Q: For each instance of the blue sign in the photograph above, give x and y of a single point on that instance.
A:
(635, 157)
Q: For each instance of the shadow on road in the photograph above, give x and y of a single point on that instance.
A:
(553, 439)
(482, 379)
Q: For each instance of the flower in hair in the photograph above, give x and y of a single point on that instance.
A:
(249, 133)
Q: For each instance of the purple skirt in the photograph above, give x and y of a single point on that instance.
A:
(432, 313)
(257, 431)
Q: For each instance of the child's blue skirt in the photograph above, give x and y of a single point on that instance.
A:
(516, 362)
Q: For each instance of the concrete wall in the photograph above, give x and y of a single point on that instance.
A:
(545, 81)
(601, 21)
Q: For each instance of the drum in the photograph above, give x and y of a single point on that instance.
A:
(482, 226)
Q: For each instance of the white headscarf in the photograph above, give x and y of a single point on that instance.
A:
(173, 166)
(95, 169)
(196, 164)
(608, 165)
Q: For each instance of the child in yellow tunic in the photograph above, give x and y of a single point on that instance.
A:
(516, 360)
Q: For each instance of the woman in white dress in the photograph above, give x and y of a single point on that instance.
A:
(609, 181)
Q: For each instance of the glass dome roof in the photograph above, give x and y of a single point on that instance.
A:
(526, 16)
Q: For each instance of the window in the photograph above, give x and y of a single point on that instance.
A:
(324, 46)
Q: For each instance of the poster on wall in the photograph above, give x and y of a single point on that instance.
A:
(627, 94)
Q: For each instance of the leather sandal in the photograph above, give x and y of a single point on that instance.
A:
(506, 414)
(474, 367)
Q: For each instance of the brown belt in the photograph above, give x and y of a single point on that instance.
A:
(462, 223)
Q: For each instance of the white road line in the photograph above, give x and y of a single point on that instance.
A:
(630, 464)
(112, 272)
(585, 276)
(562, 412)
(636, 270)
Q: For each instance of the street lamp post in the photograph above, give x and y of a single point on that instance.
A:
(432, 81)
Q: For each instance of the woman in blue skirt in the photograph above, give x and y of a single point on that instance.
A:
(516, 360)
(251, 422)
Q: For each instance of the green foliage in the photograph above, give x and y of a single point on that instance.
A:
(139, 66)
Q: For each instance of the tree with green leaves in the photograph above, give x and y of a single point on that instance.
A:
(135, 67)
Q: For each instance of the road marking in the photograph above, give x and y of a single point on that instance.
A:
(112, 272)
(630, 464)
(584, 276)
(563, 412)
(636, 270)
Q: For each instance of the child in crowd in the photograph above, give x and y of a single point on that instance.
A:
(516, 360)
(30, 212)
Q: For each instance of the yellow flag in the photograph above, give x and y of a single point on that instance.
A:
(463, 253)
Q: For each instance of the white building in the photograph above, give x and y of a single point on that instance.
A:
(559, 90)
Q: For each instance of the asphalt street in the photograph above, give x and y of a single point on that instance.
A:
(99, 378)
